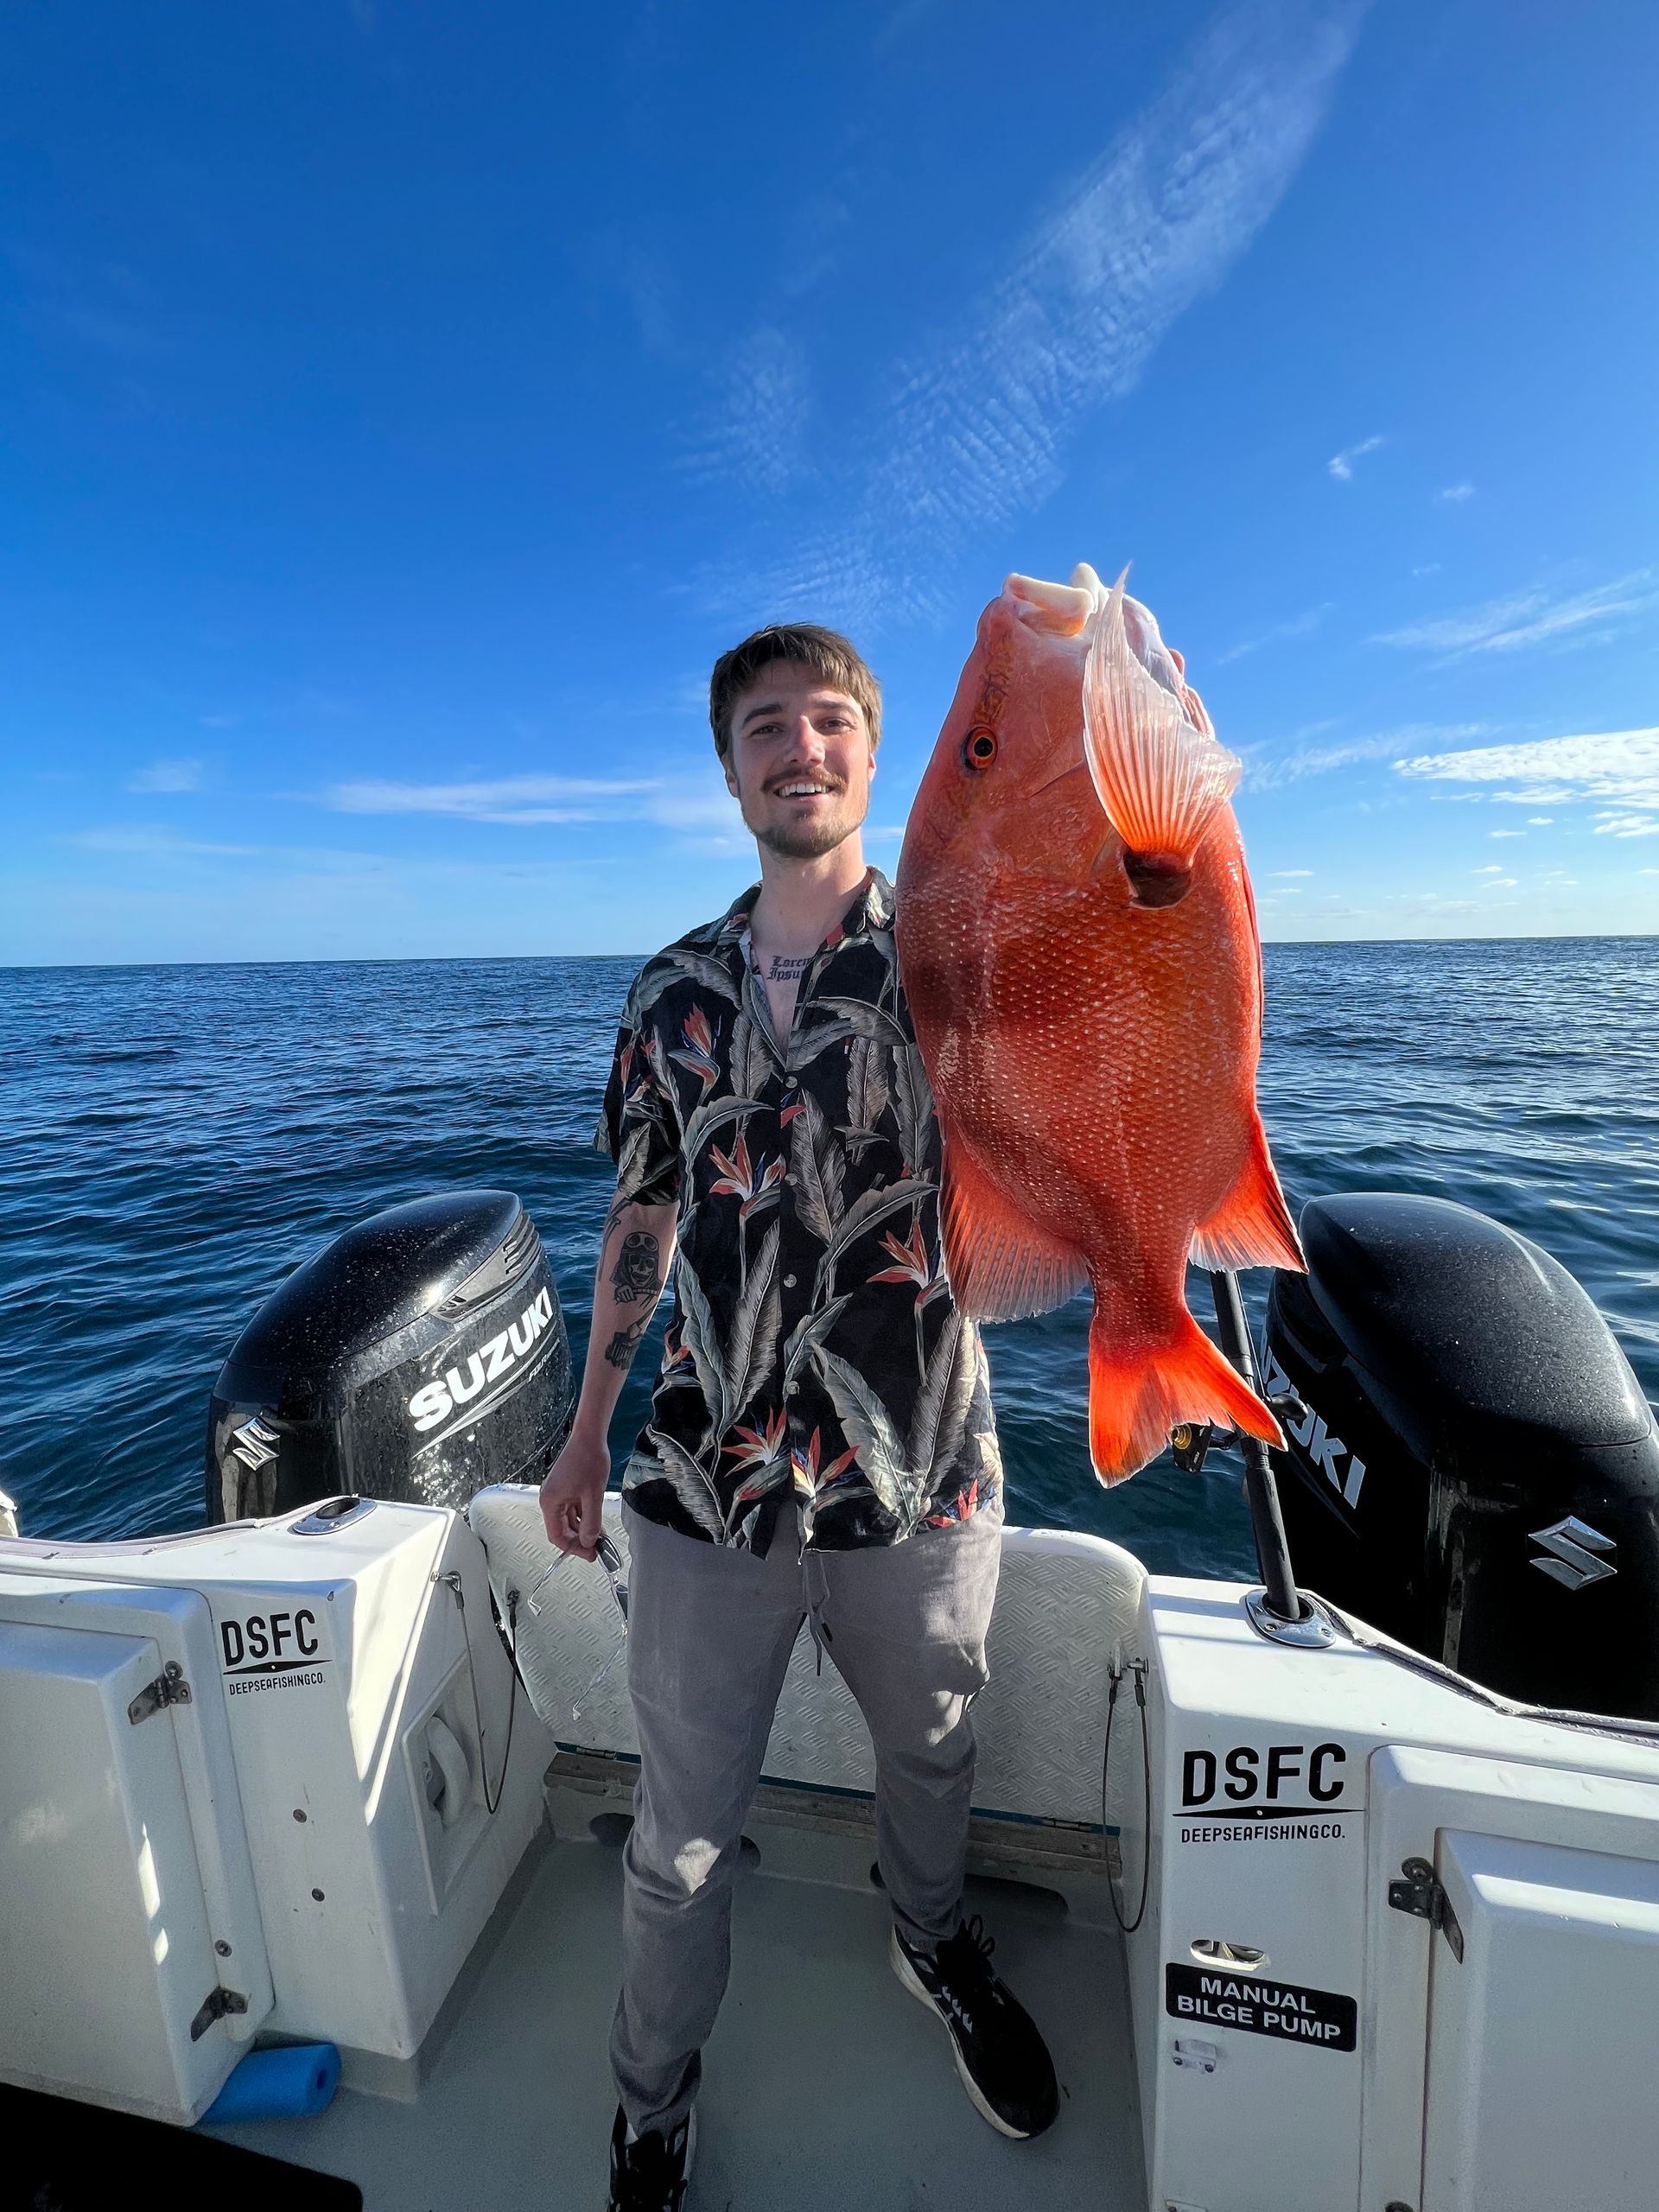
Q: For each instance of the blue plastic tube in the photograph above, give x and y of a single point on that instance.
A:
(287, 2082)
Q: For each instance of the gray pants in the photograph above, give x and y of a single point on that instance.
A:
(710, 1631)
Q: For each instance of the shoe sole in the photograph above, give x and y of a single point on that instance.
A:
(907, 1975)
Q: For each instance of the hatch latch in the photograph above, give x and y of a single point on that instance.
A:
(169, 1688)
(1422, 1894)
(214, 2007)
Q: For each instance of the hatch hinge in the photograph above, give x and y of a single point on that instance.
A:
(214, 2007)
(1423, 1895)
(169, 1688)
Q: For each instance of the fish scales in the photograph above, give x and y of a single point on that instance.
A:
(1088, 1004)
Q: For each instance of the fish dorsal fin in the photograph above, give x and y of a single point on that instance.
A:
(1251, 1227)
(1000, 1265)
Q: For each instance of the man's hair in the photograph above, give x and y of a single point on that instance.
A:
(825, 652)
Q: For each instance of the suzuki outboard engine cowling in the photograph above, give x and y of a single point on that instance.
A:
(1474, 1469)
(419, 1356)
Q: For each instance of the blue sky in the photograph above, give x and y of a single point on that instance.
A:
(405, 403)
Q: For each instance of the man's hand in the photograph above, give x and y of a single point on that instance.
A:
(572, 1495)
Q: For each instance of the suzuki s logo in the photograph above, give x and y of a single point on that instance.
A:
(253, 1444)
(1321, 1447)
(1573, 1547)
(434, 1402)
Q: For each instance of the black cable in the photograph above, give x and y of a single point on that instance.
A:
(1138, 1668)
(454, 1581)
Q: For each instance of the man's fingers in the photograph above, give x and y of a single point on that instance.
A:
(589, 1519)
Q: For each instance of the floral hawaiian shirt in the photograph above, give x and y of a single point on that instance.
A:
(814, 1349)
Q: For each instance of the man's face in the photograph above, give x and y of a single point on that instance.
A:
(800, 763)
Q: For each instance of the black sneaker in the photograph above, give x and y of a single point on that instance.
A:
(649, 2174)
(1003, 2061)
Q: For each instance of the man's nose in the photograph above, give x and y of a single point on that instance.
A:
(805, 744)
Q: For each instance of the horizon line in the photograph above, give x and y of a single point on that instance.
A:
(457, 959)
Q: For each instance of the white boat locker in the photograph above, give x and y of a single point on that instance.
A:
(242, 1791)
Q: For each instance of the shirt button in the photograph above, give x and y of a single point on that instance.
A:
(790, 1388)
(789, 1282)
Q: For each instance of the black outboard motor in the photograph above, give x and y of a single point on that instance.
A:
(419, 1356)
(1475, 1470)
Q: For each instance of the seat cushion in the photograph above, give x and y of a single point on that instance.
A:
(1066, 1606)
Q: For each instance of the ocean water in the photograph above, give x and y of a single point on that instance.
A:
(173, 1140)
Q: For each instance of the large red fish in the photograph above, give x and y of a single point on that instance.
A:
(1078, 945)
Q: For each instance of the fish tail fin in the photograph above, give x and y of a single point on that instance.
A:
(1251, 1227)
(1160, 777)
(1137, 1394)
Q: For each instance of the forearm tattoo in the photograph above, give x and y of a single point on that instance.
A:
(623, 1345)
(638, 1272)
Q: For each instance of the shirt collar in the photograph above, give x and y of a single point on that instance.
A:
(871, 909)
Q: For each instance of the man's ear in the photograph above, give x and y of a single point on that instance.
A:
(731, 780)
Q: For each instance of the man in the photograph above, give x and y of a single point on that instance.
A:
(821, 1446)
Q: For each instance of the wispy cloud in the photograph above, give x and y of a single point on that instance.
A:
(1304, 759)
(978, 427)
(755, 432)
(1532, 618)
(1620, 768)
(698, 807)
(1454, 494)
(904, 18)
(1341, 465)
(1281, 874)
(1299, 626)
(522, 801)
(144, 840)
(167, 776)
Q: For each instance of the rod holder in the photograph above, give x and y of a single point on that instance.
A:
(1279, 1591)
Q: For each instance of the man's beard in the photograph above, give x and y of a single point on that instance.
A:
(806, 838)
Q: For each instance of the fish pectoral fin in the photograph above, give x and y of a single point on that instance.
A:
(1138, 1393)
(1251, 1227)
(1000, 1265)
(1161, 775)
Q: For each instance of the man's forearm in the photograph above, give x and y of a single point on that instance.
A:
(634, 1258)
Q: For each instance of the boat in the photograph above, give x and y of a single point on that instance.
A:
(1333, 1903)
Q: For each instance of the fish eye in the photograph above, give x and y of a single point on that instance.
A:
(979, 748)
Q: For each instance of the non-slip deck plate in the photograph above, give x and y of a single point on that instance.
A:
(820, 2066)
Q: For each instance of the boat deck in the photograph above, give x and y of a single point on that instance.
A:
(823, 2081)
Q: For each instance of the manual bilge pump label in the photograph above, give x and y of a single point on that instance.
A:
(1262, 2007)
